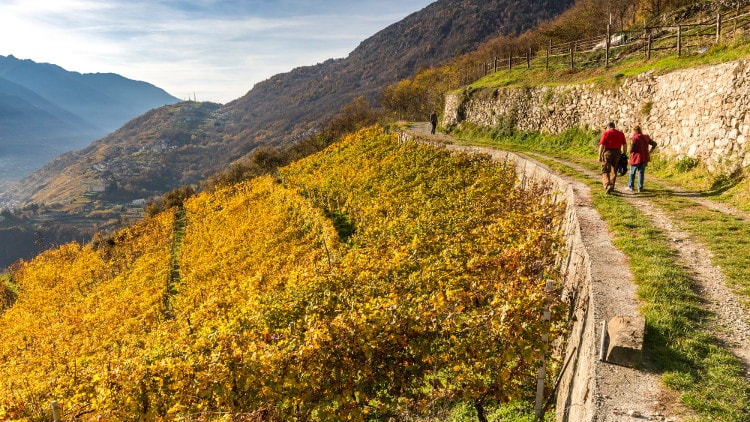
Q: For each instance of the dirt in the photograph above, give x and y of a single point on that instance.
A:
(730, 322)
(625, 394)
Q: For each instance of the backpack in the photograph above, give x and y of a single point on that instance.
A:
(622, 166)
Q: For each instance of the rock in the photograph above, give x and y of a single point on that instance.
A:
(626, 340)
(634, 414)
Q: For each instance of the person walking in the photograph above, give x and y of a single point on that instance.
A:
(611, 145)
(433, 122)
(641, 147)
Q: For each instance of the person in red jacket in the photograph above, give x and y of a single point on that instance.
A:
(641, 147)
(611, 145)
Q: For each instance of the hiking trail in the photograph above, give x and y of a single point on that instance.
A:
(626, 394)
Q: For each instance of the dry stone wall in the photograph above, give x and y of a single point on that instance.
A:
(701, 113)
(576, 389)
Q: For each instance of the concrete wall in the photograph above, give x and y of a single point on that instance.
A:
(700, 113)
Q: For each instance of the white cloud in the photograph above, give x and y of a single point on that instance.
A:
(216, 49)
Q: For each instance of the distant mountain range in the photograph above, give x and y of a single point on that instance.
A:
(46, 110)
(183, 144)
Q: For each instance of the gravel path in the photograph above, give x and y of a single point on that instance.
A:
(731, 322)
(630, 395)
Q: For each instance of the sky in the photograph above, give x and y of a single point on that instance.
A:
(210, 50)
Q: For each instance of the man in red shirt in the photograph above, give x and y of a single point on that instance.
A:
(611, 145)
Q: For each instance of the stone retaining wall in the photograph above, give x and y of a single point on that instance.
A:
(576, 384)
(700, 113)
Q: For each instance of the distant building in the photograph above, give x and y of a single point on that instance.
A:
(98, 187)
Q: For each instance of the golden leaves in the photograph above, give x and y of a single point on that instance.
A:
(377, 277)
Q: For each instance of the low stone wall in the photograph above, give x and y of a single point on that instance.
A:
(575, 387)
(700, 113)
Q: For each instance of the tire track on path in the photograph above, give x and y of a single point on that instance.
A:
(620, 394)
(731, 322)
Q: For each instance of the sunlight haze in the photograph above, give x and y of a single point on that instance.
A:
(214, 50)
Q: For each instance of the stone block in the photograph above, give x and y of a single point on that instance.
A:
(626, 340)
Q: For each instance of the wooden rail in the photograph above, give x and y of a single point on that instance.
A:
(603, 50)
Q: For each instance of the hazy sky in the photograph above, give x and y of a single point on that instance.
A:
(217, 49)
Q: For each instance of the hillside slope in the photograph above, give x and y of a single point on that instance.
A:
(377, 278)
(46, 110)
(288, 106)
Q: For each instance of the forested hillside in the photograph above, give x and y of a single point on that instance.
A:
(375, 279)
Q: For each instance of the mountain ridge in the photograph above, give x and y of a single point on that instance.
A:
(48, 110)
(290, 106)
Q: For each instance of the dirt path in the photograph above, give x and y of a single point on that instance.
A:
(731, 323)
(622, 394)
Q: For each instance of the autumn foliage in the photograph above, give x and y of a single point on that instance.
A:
(373, 280)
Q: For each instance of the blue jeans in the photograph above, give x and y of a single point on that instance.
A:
(641, 169)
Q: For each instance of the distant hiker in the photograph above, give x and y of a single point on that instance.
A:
(611, 145)
(640, 154)
(433, 122)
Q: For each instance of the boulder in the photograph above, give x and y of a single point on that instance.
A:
(626, 340)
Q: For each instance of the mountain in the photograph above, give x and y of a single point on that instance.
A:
(182, 144)
(46, 110)
(106, 184)
(287, 105)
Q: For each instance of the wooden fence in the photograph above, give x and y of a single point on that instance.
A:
(604, 50)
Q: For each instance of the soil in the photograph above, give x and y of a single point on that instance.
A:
(731, 322)
(625, 394)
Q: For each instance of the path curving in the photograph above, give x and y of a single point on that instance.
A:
(619, 393)
(731, 322)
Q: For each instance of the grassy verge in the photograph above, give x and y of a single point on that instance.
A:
(634, 64)
(678, 341)
(726, 236)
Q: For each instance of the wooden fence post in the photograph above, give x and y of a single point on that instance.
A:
(495, 67)
(606, 50)
(528, 59)
(679, 40)
(549, 50)
(648, 47)
(510, 60)
(718, 28)
(546, 314)
(55, 411)
(571, 58)
(736, 14)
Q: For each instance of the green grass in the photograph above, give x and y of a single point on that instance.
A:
(678, 342)
(511, 412)
(726, 236)
(8, 291)
(632, 65)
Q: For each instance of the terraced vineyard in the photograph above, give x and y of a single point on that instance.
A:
(375, 279)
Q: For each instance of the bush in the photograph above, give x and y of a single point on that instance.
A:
(686, 164)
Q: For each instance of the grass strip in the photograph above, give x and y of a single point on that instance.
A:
(726, 236)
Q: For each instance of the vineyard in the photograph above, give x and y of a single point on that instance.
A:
(377, 279)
